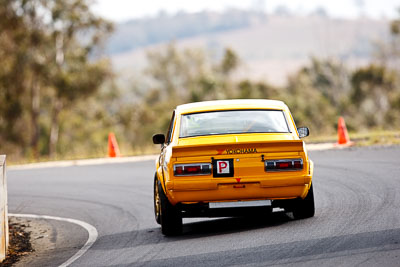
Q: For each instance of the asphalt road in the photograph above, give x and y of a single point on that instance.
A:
(357, 221)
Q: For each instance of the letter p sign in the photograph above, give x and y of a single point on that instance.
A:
(222, 167)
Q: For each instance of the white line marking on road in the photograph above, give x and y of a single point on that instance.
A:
(92, 231)
(81, 162)
(324, 146)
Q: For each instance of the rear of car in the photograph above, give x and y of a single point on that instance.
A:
(224, 158)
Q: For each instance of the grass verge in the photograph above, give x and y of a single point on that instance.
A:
(377, 137)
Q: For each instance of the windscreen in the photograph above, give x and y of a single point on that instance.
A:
(233, 122)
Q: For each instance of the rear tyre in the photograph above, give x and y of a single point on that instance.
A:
(170, 216)
(304, 208)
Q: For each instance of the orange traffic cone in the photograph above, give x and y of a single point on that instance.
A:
(343, 136)
(113, 149)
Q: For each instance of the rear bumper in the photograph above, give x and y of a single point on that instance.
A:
(228, 189)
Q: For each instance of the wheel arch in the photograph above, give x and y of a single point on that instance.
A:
(160, 177)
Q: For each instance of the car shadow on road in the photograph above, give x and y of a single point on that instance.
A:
(191, 230)
(221, 226)
(348, 250)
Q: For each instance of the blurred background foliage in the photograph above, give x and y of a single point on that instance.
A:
(59, 97)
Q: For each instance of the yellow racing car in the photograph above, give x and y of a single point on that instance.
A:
(230, 158)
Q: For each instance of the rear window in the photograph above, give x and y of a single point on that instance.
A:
(233, 122)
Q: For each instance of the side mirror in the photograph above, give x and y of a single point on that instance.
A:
(303, 132)
(158, 139)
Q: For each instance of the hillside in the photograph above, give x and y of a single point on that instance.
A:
(270, 46)
(147, 31)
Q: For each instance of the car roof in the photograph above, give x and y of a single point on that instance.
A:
(230, 104)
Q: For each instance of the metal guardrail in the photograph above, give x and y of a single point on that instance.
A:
(3, 209)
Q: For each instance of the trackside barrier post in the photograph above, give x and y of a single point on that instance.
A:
(3, 209)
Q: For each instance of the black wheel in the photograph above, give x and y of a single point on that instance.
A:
(157, 204)
(170, 216)
(304, 208)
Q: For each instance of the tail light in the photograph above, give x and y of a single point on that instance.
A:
(283, 165)
(192, 169)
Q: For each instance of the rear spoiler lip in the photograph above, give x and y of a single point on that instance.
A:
(290, 145)
(291, 142)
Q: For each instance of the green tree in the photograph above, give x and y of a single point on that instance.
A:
(308, 104)
(331, 78)
(75, 76)
(387, 52)
(48, 49)
(22, 50)
(373, 87)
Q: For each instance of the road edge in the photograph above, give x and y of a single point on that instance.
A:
(92, 231)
